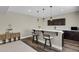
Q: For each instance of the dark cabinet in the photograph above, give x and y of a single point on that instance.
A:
(72, 35)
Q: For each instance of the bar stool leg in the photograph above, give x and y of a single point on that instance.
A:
(45, 43)
(36, 39)
(50, 42)
(33, 39)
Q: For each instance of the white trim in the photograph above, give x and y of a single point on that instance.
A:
(26, 36)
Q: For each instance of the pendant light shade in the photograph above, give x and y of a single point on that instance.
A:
(38, 15)
(43, 14)
(51, 18)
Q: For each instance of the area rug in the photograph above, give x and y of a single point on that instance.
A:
(38, 46)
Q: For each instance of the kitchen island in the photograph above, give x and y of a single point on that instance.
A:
(56, 40)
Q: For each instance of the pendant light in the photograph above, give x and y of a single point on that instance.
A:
(51, 18)
(38, 19)
(43, 14)
(38, 15)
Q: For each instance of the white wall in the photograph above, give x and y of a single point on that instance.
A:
(20, 22)
(72, 19)
(24, 23)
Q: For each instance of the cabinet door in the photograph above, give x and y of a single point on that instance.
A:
(66, 35)
(75, 36)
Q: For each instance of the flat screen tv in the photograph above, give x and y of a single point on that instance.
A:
(74, 28)
(59, 21)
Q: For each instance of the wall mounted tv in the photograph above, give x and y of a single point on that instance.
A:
(59, 21)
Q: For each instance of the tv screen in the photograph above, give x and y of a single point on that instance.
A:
(74, 28)
(59, 21)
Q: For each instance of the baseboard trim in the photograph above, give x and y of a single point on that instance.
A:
(26, 37)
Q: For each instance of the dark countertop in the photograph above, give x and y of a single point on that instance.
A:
(72, 30)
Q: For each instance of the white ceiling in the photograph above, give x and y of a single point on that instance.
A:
(32, 10)
(3, 9)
